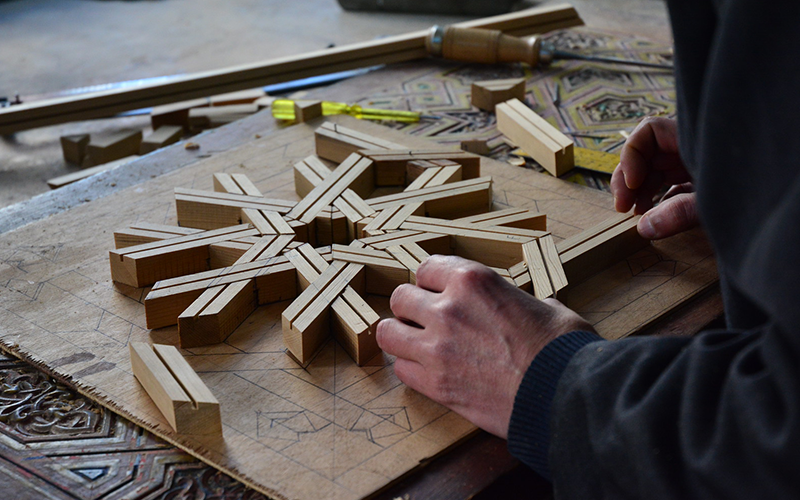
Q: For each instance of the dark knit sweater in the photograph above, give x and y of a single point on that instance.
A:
(716, 415)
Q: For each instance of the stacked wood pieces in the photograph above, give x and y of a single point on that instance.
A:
(487, 94)
(543, 142)
(384, 51)
(181, 396)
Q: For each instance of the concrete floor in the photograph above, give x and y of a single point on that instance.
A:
(52, 45)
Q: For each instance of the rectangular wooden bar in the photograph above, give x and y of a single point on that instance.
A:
(175, 388)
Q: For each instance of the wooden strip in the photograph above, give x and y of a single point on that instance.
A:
(542, 288)
(257, 219)
(568, 244)
(254, 252)
(423, 178)
(64, 180)
(323, 194)
(602, 250)
(553, 263)
(224, 183)
(402, 215)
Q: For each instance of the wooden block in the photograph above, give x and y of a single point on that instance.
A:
(450, 201)
(306, 321)
(216, 314)
(476, 146)
(74, 148)
(200, 118)
(240, 97)
(354, 326)
(143, 265)
(175, 388)
(64, 180)
(354, 321)
(213, 210)
(274, 281)
(335, 142)
(543, 142)
(488, 93)
(162, 136)
(493, 246)
(307, 110)
(175, 113)
(113, 147)
(391, 165)
(309, 173)
(602, 249)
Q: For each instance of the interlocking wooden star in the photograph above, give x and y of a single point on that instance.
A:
(236, 249)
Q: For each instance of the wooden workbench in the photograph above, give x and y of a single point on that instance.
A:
(474, 455)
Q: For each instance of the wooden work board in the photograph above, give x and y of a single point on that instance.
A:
(332, 430)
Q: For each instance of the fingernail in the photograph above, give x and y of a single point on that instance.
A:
(646, 228)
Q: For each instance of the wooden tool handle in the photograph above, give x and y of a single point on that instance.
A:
(482, 46)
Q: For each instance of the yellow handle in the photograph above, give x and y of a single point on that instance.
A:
(283, 109)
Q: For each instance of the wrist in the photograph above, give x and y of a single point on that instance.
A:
(529, 427)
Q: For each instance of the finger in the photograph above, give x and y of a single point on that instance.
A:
(435, 272)
(412, 303)
(651, 137)
(676, 189)
(400, 339)
(411, 373)
(672, 216)
(624, 198)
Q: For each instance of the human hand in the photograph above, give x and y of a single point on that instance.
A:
(649, 160)
(465, 337)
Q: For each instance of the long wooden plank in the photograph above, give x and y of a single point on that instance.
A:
(385, 51)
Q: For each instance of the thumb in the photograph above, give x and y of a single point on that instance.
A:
(672, 216)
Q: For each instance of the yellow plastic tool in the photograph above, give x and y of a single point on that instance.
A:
(283, 109)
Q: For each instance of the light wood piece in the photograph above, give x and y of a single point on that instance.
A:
(74, 148)
(64, 180)
(181, 396)
(489, 93)
(307, 110)
(600, 246)
(335, 142)
(112, 147)
(162, 136)
(476, 146)
(543, 142)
